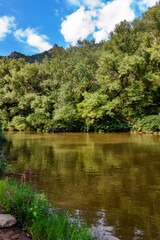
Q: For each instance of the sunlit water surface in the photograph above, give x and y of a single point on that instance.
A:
(111, 180)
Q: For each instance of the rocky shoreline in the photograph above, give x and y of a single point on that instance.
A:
(9, 229)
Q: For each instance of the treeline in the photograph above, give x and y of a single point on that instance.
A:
(111, 86)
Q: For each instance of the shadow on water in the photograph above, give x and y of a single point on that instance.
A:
(111, 180)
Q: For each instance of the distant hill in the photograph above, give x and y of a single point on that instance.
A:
(36, 57)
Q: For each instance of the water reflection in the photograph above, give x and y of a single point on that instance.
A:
(111, 180)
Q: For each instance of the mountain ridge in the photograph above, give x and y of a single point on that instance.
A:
(32, 58)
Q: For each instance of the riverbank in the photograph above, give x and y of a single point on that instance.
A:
(13, 232)
(34, 213)
(148, 125)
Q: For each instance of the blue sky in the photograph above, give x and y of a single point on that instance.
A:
(33, 26)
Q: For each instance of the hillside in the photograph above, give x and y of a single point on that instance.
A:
(36, 57)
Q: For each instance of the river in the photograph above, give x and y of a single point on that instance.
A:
(110, 180)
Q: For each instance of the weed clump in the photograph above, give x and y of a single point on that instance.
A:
(34, 213)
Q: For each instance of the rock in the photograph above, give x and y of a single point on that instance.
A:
(13, 54)
(55, 46)
(2, 211)
(7, 220)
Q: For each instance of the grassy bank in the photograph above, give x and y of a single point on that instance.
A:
(34, 213)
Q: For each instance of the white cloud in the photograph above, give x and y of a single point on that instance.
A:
(82, 23)
(74, 2)
(87, 3)
(113, 13)
(7, 23)
(144, 4)
(92, 3)
(78, 25)
(100, 35)
(30, 37)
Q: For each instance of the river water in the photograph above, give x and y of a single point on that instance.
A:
(111, 180)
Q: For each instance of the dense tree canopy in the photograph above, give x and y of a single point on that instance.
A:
(111, 86)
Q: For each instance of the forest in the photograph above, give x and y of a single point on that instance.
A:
(112, 86)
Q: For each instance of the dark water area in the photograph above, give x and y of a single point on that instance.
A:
(111, 180)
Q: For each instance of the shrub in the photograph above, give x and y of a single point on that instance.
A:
(37, 121)
(23, 202)
(147, 124)
(3, 161)
(109, 124)
(18, 123)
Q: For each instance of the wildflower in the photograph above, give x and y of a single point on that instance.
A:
(23, 177)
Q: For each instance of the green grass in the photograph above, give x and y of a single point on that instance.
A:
(60, 226)
(34, 213)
